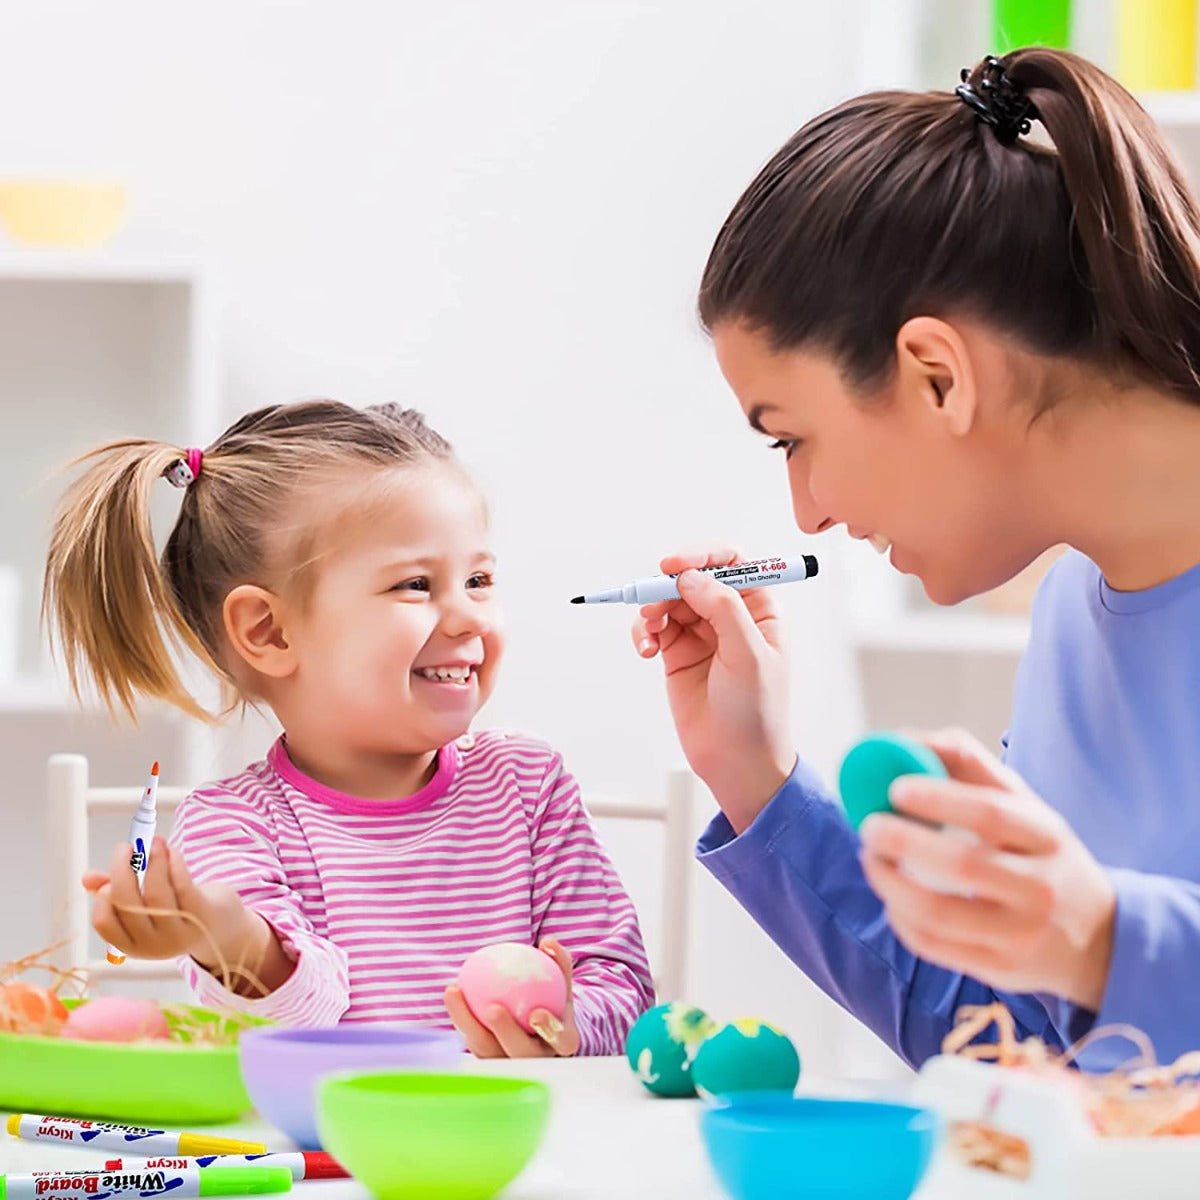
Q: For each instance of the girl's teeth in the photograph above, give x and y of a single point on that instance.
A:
(446, 674)
(880, 543)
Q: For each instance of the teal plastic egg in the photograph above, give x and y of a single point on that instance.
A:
(746, 1056)
(663, 1044)
(870, 766)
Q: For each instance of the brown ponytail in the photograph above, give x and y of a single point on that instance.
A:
(898, 204)
(121, 615)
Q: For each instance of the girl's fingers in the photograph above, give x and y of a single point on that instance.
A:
(157, 889)
(514, 1041)
(1003, 819)
(556, 950)
(126, 898)
(106, 921)
(479, 1039)
(93, 881)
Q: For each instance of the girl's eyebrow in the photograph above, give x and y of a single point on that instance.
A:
(424, 563)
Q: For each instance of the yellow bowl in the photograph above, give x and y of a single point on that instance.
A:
(61, 212)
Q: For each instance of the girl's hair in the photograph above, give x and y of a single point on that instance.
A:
(120, 612)
(899, 204)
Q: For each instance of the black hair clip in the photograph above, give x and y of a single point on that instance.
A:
(998, 101)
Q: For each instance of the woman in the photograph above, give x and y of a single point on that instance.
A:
(971, 346)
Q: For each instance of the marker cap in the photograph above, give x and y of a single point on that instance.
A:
(244, 1181)
(195, 1145)
(319, 1165)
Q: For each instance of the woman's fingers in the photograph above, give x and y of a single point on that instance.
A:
(1003, 819)
(974, 868)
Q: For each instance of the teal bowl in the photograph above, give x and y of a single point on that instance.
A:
(409, 1134)
(779, 1147)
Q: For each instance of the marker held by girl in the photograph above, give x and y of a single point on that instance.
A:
(761, 572)
(141, 833)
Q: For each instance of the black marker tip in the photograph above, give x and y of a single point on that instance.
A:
(576, 599)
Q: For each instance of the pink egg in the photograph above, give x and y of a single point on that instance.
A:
(519, 978)
(116, 1019)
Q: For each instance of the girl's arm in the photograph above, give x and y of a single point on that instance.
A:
(579, 902)
(224, 840)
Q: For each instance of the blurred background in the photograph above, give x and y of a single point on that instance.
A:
(497, 213)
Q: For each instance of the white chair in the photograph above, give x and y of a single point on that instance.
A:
(675, 813)
(71, 802)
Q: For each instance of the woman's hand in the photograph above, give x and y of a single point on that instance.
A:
(727, 683)
(172, 916)
(502, 1037)
(1035, 910)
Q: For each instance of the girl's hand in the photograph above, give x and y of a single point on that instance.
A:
(1037, 910)
(727, 683)
(183, 918)
(502, 1037)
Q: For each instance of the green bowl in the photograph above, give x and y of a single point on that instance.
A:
(441, 1137)
(159, 1083)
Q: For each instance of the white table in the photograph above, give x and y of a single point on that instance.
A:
(607, 1139)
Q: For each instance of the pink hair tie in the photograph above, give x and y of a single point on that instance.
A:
(183, 471)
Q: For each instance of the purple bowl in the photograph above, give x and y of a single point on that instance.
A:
(280, 1067)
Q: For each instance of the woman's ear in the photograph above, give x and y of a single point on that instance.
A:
(935, 374)
(255, 623)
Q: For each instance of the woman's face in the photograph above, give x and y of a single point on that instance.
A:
(922, 468)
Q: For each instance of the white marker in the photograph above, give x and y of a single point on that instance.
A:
(141, 834)
(762, 572)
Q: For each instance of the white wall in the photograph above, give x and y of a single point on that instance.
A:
(497, 212)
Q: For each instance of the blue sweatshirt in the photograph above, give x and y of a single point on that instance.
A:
(1106, 728)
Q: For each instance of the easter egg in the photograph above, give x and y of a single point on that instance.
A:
(519, 978)
(868, 770)
(116, 1019)
(27, 1008)
(663, 1044)
(746, 1056)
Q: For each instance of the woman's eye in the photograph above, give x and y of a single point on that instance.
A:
(787, 445)
(420, 584)
(482, 579)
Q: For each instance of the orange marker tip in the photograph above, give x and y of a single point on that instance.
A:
(115, 959)
(154, 769)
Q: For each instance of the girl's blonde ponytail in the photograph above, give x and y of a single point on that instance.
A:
(105, 596)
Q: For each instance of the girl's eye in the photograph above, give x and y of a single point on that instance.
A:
(787, 445)
(420, 584)
(482, 579)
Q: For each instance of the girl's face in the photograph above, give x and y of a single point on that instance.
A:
(901, 469)
(399, 644)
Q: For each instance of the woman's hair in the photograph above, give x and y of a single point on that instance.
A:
(120, 612)
(899, 204)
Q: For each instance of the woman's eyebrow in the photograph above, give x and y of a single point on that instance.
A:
(756, 414)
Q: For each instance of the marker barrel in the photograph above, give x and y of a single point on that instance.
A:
(142, 1182)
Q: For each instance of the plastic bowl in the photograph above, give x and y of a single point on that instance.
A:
(152, 1082)
(801, 1148)
(51, 212)
(440, 1137)
(281, 1066)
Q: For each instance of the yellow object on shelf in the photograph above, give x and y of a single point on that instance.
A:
(1156, 45)
(61, 212)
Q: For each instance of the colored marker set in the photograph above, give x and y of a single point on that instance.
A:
(162, 1161)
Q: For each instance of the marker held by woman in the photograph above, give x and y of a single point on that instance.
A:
(132, 1139)
(141, 834)
(761, 572)
(140, 1182)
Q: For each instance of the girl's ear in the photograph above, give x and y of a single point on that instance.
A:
(935, 372)
(255, 623)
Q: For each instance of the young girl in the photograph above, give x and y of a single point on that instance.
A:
(970, 346)
(333, 564)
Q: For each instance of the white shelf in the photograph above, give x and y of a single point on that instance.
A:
(99, 266)
(944, 632)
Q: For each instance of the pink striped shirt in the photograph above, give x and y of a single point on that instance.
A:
(380, 901)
